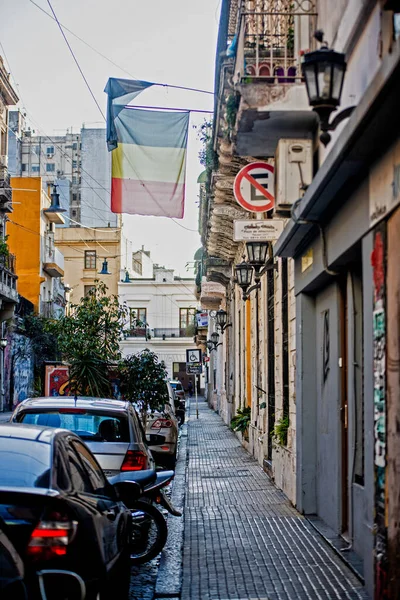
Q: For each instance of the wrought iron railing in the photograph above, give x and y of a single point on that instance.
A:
(8, 277)
(5, 186)
(272, 36)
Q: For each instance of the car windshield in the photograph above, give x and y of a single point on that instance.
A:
(90, 425)
(176, 385)
(24, 463)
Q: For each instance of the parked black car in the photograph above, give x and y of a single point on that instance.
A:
(61, 511)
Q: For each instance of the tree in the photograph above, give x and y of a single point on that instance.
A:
(142, 378)
(89, 338)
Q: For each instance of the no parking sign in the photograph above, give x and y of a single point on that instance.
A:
(254, 187)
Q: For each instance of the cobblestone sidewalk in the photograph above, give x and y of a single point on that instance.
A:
(243, 539)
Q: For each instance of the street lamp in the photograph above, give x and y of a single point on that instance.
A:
(215, 338)
(3, 343)
(55, 206)
(210, 345)
(221, 320)
(257, 254)
(104, 268)
(257, 251)
(323, 71)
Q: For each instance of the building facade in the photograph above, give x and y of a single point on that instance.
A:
(85, 250)
(344, 241)
(39, 264)
(8, 276)
(313, 352)
(79, 163)
(162, 312)
(95, 189)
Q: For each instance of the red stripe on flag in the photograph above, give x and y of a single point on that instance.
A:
(156, 198)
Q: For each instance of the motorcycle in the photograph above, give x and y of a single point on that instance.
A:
(149, 527)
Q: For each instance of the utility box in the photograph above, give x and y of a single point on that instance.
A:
(293, 171)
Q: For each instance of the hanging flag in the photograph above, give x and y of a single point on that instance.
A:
(148, 156)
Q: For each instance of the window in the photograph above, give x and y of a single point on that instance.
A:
(36, 150)
(79, 478)
(137, 317)
(74, 197)
(186, 321)
(74, 213)
(98, 481)
(23, 167)
(35, 168)
(74, 179)
(50, 150)
(74, 146)
(90, 259)
(50, 167)
(88, 288)
(74, 164)
(24, 463)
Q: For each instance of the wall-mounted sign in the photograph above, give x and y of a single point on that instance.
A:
(265, 231)
(254, 187)
(202, 319)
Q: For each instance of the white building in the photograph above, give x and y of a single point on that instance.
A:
(162, 317)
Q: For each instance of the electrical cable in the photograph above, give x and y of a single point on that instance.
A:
(76, 60)
(179, 87)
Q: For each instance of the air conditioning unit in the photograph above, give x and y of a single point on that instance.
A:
(49, 155)
(293, 172)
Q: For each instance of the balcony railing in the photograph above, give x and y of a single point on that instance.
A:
(8, 277)
(181, 332)
(272, 36)
(5, 189)
(161, 332)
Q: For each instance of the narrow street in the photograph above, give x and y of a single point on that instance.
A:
(243, 539)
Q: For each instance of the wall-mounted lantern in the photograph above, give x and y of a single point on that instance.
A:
(323, 71)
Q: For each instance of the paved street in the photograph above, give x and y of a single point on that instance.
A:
(243, 539)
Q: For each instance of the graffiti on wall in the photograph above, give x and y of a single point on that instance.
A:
(18, 369)
(56, 382)
(379, 342)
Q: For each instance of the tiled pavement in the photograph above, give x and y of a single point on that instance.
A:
(243, 540)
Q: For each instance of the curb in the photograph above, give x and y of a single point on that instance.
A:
(169, 577)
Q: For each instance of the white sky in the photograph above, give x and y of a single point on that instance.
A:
(166, 41)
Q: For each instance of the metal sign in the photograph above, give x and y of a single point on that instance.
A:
(194, 369)
(193, 356)
(254, 187)
(202, 319)
(265, 231)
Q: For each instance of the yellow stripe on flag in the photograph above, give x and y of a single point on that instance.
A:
(148, 163)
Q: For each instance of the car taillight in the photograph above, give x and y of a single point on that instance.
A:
(134, 460)
(51, 537)
(159, 423)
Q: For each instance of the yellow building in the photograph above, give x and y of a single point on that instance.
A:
(40, 266)
(85, 250)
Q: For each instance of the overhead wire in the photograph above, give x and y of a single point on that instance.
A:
(75, 59)
(179, 87)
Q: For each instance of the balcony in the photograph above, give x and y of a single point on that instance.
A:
(54, 262)
(5, 187)
(273, 35)
(51, 310)
(162, 332)
(8, 279)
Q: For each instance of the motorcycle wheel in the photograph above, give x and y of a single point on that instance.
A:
(149, 533)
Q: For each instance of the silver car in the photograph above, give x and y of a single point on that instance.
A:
(110, 428)
(162, 432)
